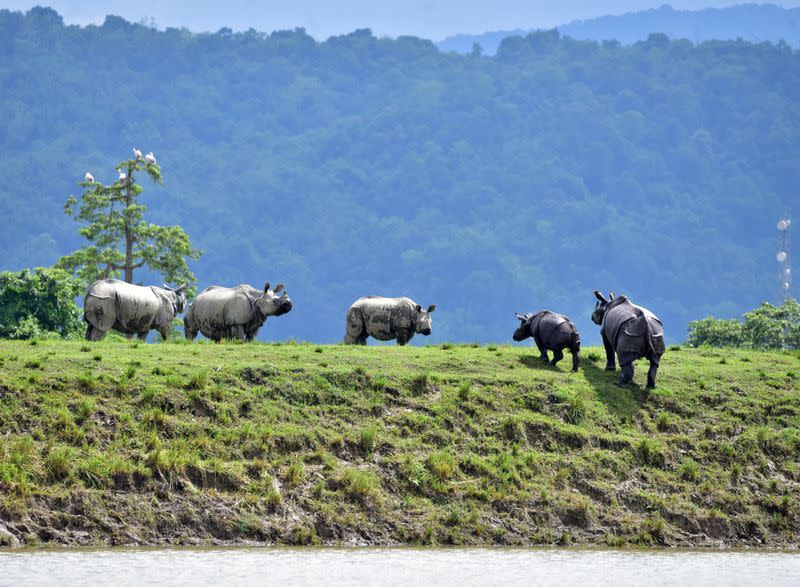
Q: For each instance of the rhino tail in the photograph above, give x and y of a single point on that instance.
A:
(652, 354)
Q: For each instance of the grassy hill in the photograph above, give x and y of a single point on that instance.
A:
(128, 443)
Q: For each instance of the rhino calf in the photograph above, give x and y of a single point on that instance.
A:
(632, 332)
(386, 319)
(550, 332)
(130, 309)
(234, 312)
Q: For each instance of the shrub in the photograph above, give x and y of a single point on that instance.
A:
(198, 380)
(689, 470)
(368, 439)
(39, 301)
(442, 465)
(361, 485)
(59, 462)
(650, 452)
(295, 474)
(715, 332)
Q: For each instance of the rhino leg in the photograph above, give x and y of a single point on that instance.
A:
(610, 363)
(558, 354)
(403, 336)
(651, 375)
(142, 336)
(94, 334)
(575, 358)
(627, 374)
(237, 332)
(541, 347)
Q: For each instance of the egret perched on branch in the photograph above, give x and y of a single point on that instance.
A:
(89, 177)
(137, 153)
(122, 176)
(150, 158)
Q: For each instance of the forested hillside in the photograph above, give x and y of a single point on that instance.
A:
(363, 165)
(756, 23)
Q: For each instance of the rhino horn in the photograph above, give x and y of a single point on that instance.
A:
(599, 296)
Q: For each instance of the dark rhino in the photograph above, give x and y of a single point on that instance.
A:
(550, 331)
(632, 332)
(130, 309)
(386, 319)
(234, 312)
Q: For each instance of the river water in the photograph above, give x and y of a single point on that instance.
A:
(396, 566)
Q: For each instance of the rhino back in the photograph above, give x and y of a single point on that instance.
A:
(217, 306)
(136, 308)
(629, 317)
(385, 316)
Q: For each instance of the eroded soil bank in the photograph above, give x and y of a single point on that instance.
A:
(122, 443)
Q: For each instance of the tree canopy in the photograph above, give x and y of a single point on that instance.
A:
(121, 241)
(363, 165)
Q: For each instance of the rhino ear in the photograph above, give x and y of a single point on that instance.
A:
(611, 295)
(599, 296)
(520, 318)
(431, 308)
(418, 308)
(266, 286)
(182, 288)
(166, 287)
(278, 288)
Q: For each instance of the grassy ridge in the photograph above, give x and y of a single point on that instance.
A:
(128, 443)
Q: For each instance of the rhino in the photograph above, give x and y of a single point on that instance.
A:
(632, 332)
(234, 312)
(550, 331)
(130, 309)
(386, 319)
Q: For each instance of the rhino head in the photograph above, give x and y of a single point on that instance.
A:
(423, 318)
(178, 297)
(270, 303)
(523, 331)
(601, 306)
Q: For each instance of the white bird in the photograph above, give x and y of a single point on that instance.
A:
(89, 177)
(137, 153)
(150, 158)
(123, 176)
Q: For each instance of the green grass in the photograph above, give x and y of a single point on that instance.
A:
(304, 443)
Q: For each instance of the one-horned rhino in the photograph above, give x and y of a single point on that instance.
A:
(130, 309)
(632, 332)
(234, 312)
(386, 319)
(550, 331)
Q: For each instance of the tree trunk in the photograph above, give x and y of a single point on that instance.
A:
(128, 232)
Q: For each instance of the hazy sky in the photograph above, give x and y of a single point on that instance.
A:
(433, 19)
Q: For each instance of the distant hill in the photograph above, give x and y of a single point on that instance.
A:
(364, 165)
(751, 22)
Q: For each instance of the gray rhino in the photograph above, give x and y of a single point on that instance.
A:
(130, 309)
(550, 331)
(632, 332)
(386, 319)
(234, 312)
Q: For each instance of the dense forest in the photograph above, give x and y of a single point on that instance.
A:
(359, 165)
(756, 23)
